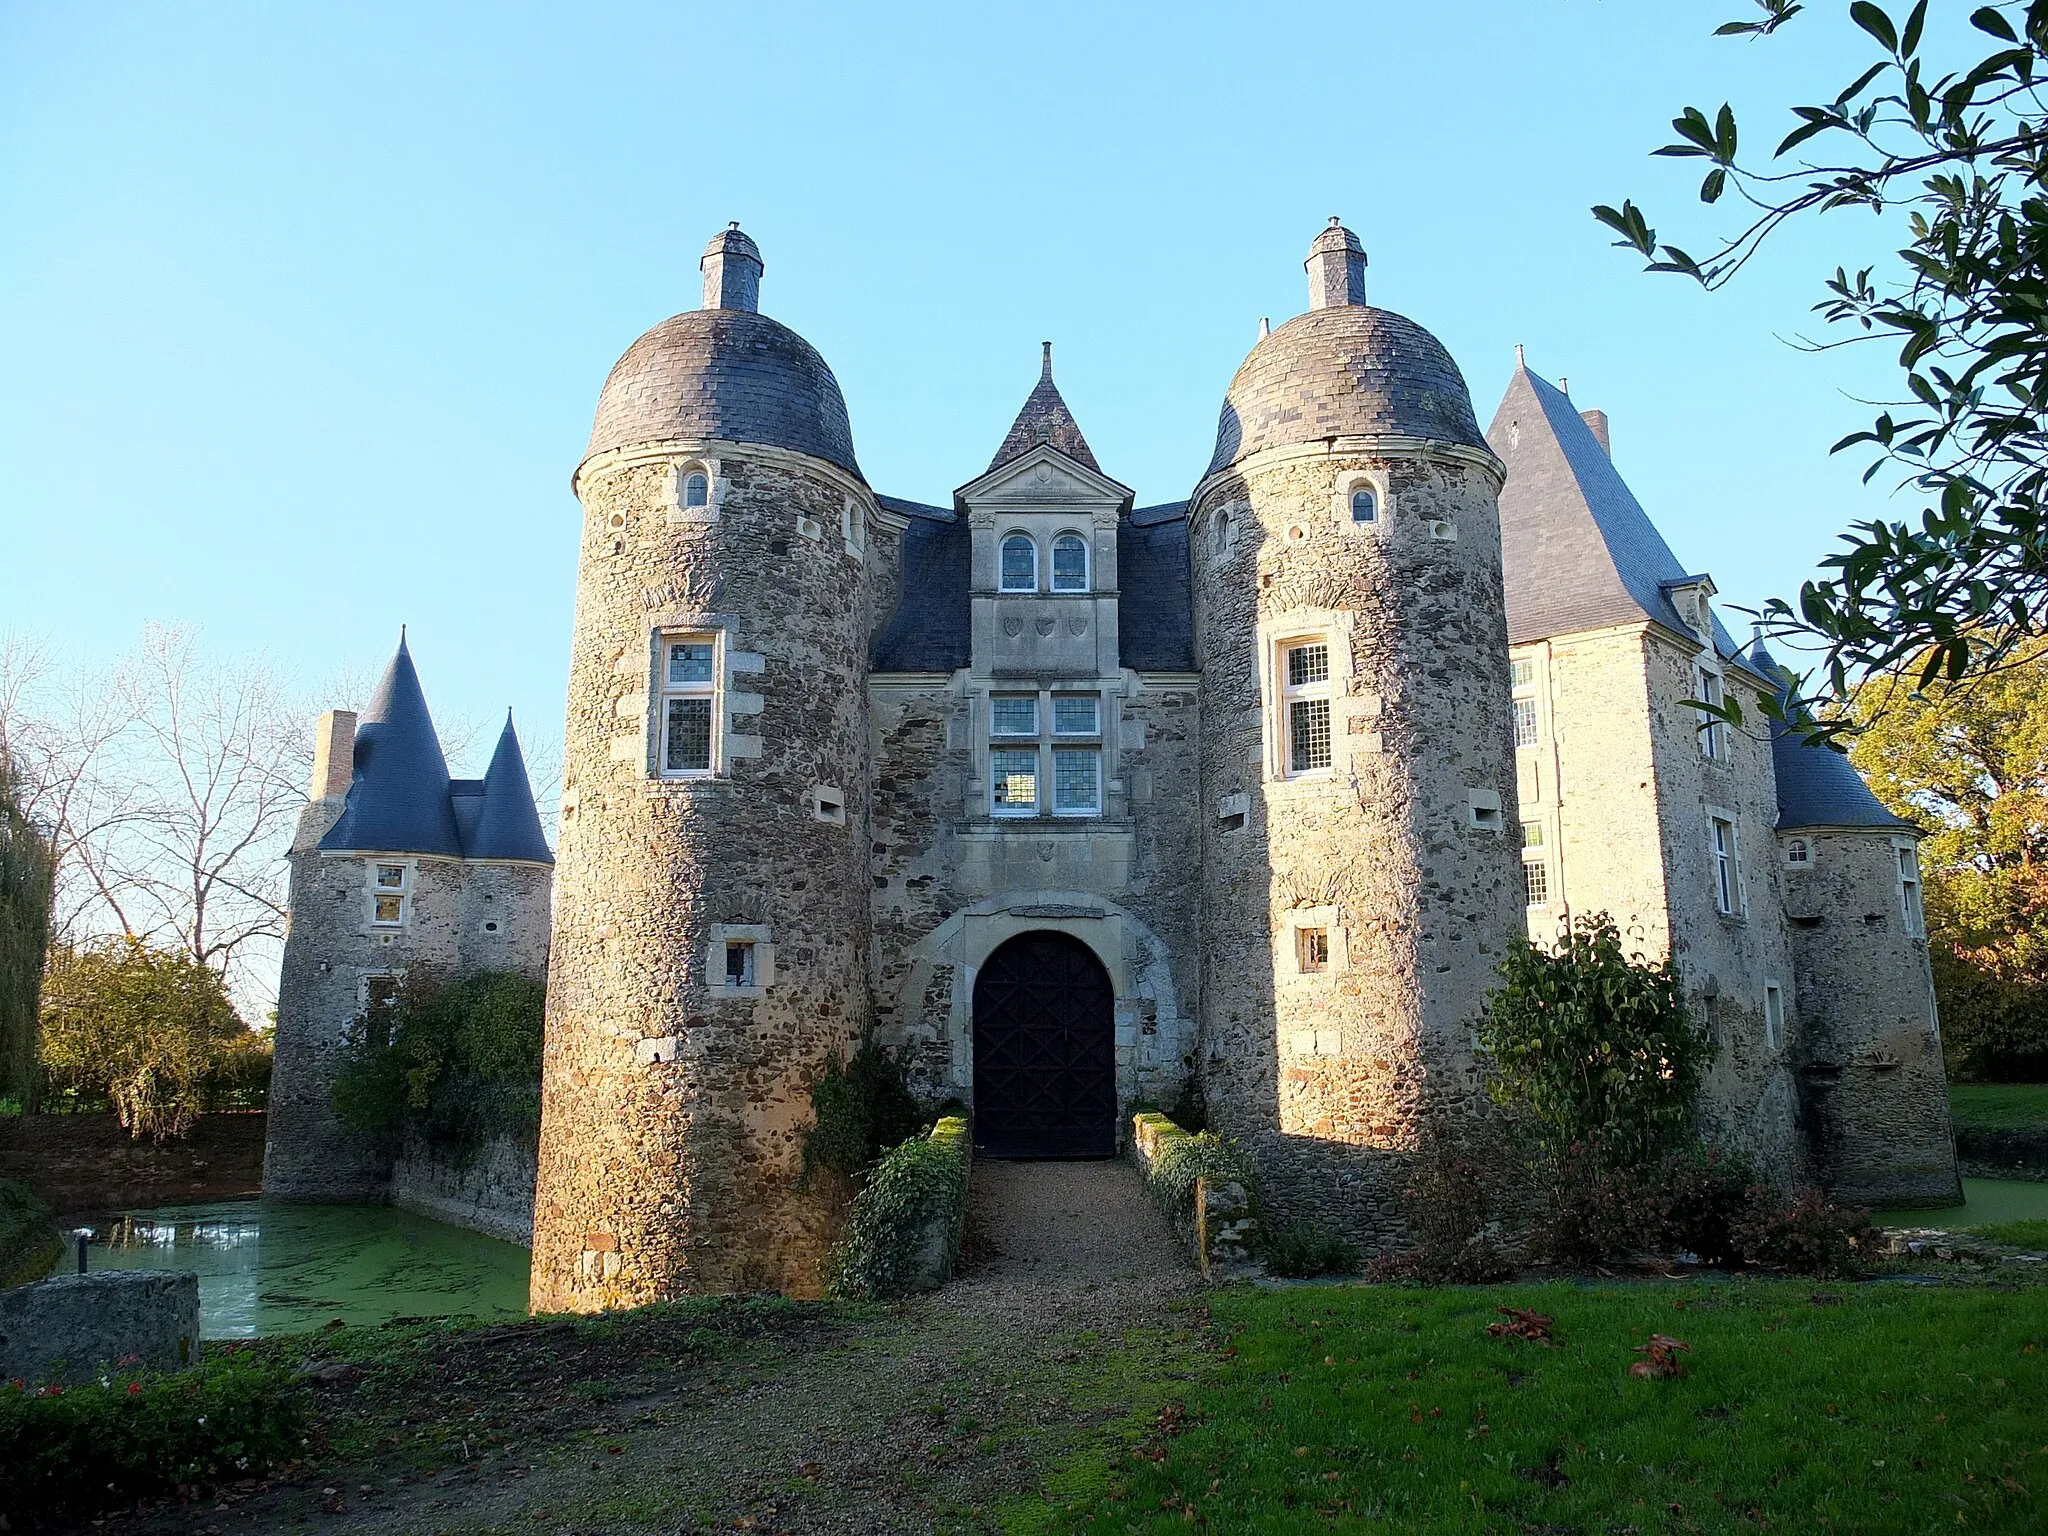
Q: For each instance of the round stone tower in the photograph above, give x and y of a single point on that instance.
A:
(711, 912)
(1361, 843)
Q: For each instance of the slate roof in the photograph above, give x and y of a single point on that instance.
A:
(1045, 419)
(1348, 370)
(1817, 786)
(932, 627)
(401, 800)
(1578, 551)
(1155, 613)
(730, 374)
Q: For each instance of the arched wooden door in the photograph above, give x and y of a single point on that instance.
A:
(1044, 1051)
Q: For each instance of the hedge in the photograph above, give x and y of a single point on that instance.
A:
(904, 1232)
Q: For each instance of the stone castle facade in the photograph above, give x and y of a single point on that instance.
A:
(1081, 804)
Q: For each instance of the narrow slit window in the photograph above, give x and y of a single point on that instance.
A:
(1306, 690)
(1013, 782)
(1070, 563)
(1726, 886)
(1077, 781)
(689, 687)
(1774, 1014)
(1713, 743)
(1909, 892)
(1019, 564)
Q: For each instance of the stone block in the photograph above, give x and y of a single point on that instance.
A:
(73, 1327)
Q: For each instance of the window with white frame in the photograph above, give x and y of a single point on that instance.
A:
(1054, 738)
(695, 490)
(1709, 691)
(688, 718)
(1522, 673)
(1076, 714)
(1365, 505)
(1798, 854)
(1909, 890)
(1774, 1014)
(1727, 874)
(1535, 867)
(1077, 781)
(1311, 950)
(1019, 559)
(1070, 563)
(1525, 723)
(1013, 781)
(390, 894)
(1013, 714)
(740, 966)
(1305, 693)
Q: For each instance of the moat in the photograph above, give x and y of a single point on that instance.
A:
(269, 1267)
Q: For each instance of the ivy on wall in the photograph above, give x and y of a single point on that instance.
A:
(905, 1229)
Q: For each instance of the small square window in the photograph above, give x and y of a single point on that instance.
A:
(1312, 950)
(739, 963)
(689, 661)
(1532, 834)
(1076, 714)
(1523, 672)
(1077, 782)
(1013, 714)
(388, 911)
(390, 877)
(1308, 664)
(1013, 783)
(1525, 722)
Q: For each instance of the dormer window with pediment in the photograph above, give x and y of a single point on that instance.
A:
(1070, 563)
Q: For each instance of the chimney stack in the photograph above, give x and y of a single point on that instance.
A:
(1597, 420)
(732, 271)
(334, 754)
(1336, 269)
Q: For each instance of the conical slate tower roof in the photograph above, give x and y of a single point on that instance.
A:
(1578, 549)
(398, 796)
(509, 825)
(1045, 419)
(1817, 786)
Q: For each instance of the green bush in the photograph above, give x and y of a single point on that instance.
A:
(862, 1107)
(1303, 1249)
(1808, 1235)
(916, 1189)
(454, 1062)
(70, 1451)
(1592, 1049)
(147, 1030)
(1180, 1158)
(29, 1240)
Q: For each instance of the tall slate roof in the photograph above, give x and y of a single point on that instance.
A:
(1045, 419)
(1817, 786)
(731, 374)
(1345, 371)
(932, 627)
(1155, 613)
(401, 799)
(1578, 551)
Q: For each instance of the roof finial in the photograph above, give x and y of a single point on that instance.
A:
(1045, 368)
(1335, 222)
(1519, 363)
(1265, 326)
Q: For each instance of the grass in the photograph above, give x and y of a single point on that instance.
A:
(2020, 1234)
(1878, 1408)
(1999, 1106)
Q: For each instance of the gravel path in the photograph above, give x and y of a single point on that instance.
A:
(1077, 1319)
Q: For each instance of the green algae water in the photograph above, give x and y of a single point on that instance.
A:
(1984, 1200)
(266, 1266)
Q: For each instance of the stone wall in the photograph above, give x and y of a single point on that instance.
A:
(86, 1164)
(491, 1192)
(1403, 853)
(673, 1108)
(1876, 1091)
(71, 1327)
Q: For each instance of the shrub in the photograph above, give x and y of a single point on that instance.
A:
(1597, 1214)
(1705, 1194)
(30, 1243)
(1179, 1159)
(1808, 1235)
(862, 1107)
(1592, 1047)
(1449, 1201)
(145, 1029)
(914, 1196)
(72, 1450)
(1302, 1249)
(454, 1062)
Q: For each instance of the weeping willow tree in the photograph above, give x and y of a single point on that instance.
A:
(27, 875)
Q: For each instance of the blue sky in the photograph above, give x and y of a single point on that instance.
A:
(304, 310)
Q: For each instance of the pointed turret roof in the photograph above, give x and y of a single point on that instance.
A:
(1578, 551)
(1817, 786)
(398, 796)
(509, 825)
(1045, 419)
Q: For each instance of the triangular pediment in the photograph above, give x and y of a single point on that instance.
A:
(1044, 476)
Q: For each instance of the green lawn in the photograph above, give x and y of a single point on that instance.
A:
(1999, 1106)
(2021, 1234)
(1868, 1408)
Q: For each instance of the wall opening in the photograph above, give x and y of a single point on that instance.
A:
(1044, 1051)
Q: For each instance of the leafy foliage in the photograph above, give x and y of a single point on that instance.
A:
(1180, 1159)
(1809, 1235)
(1957, 153)
(1971, 761)
(1592, 1047)
(29, 1240)
(861, 1107)
(28, 869)
(1450, 1201)
(455, 1062)
(71, 1451)
(913, 1197)
(148, 1029)
(1301, 1249)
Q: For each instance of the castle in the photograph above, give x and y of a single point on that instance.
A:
(1080, 804)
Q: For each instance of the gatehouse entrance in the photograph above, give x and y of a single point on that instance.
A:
(1044, 1051)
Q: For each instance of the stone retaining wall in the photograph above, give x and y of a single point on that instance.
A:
(82, 1163)
(491, 1194)
(1220, 1226)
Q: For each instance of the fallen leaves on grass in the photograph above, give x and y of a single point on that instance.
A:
(1522, 1323)
(1663, 1358)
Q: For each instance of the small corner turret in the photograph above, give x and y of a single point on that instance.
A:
(732, 269)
